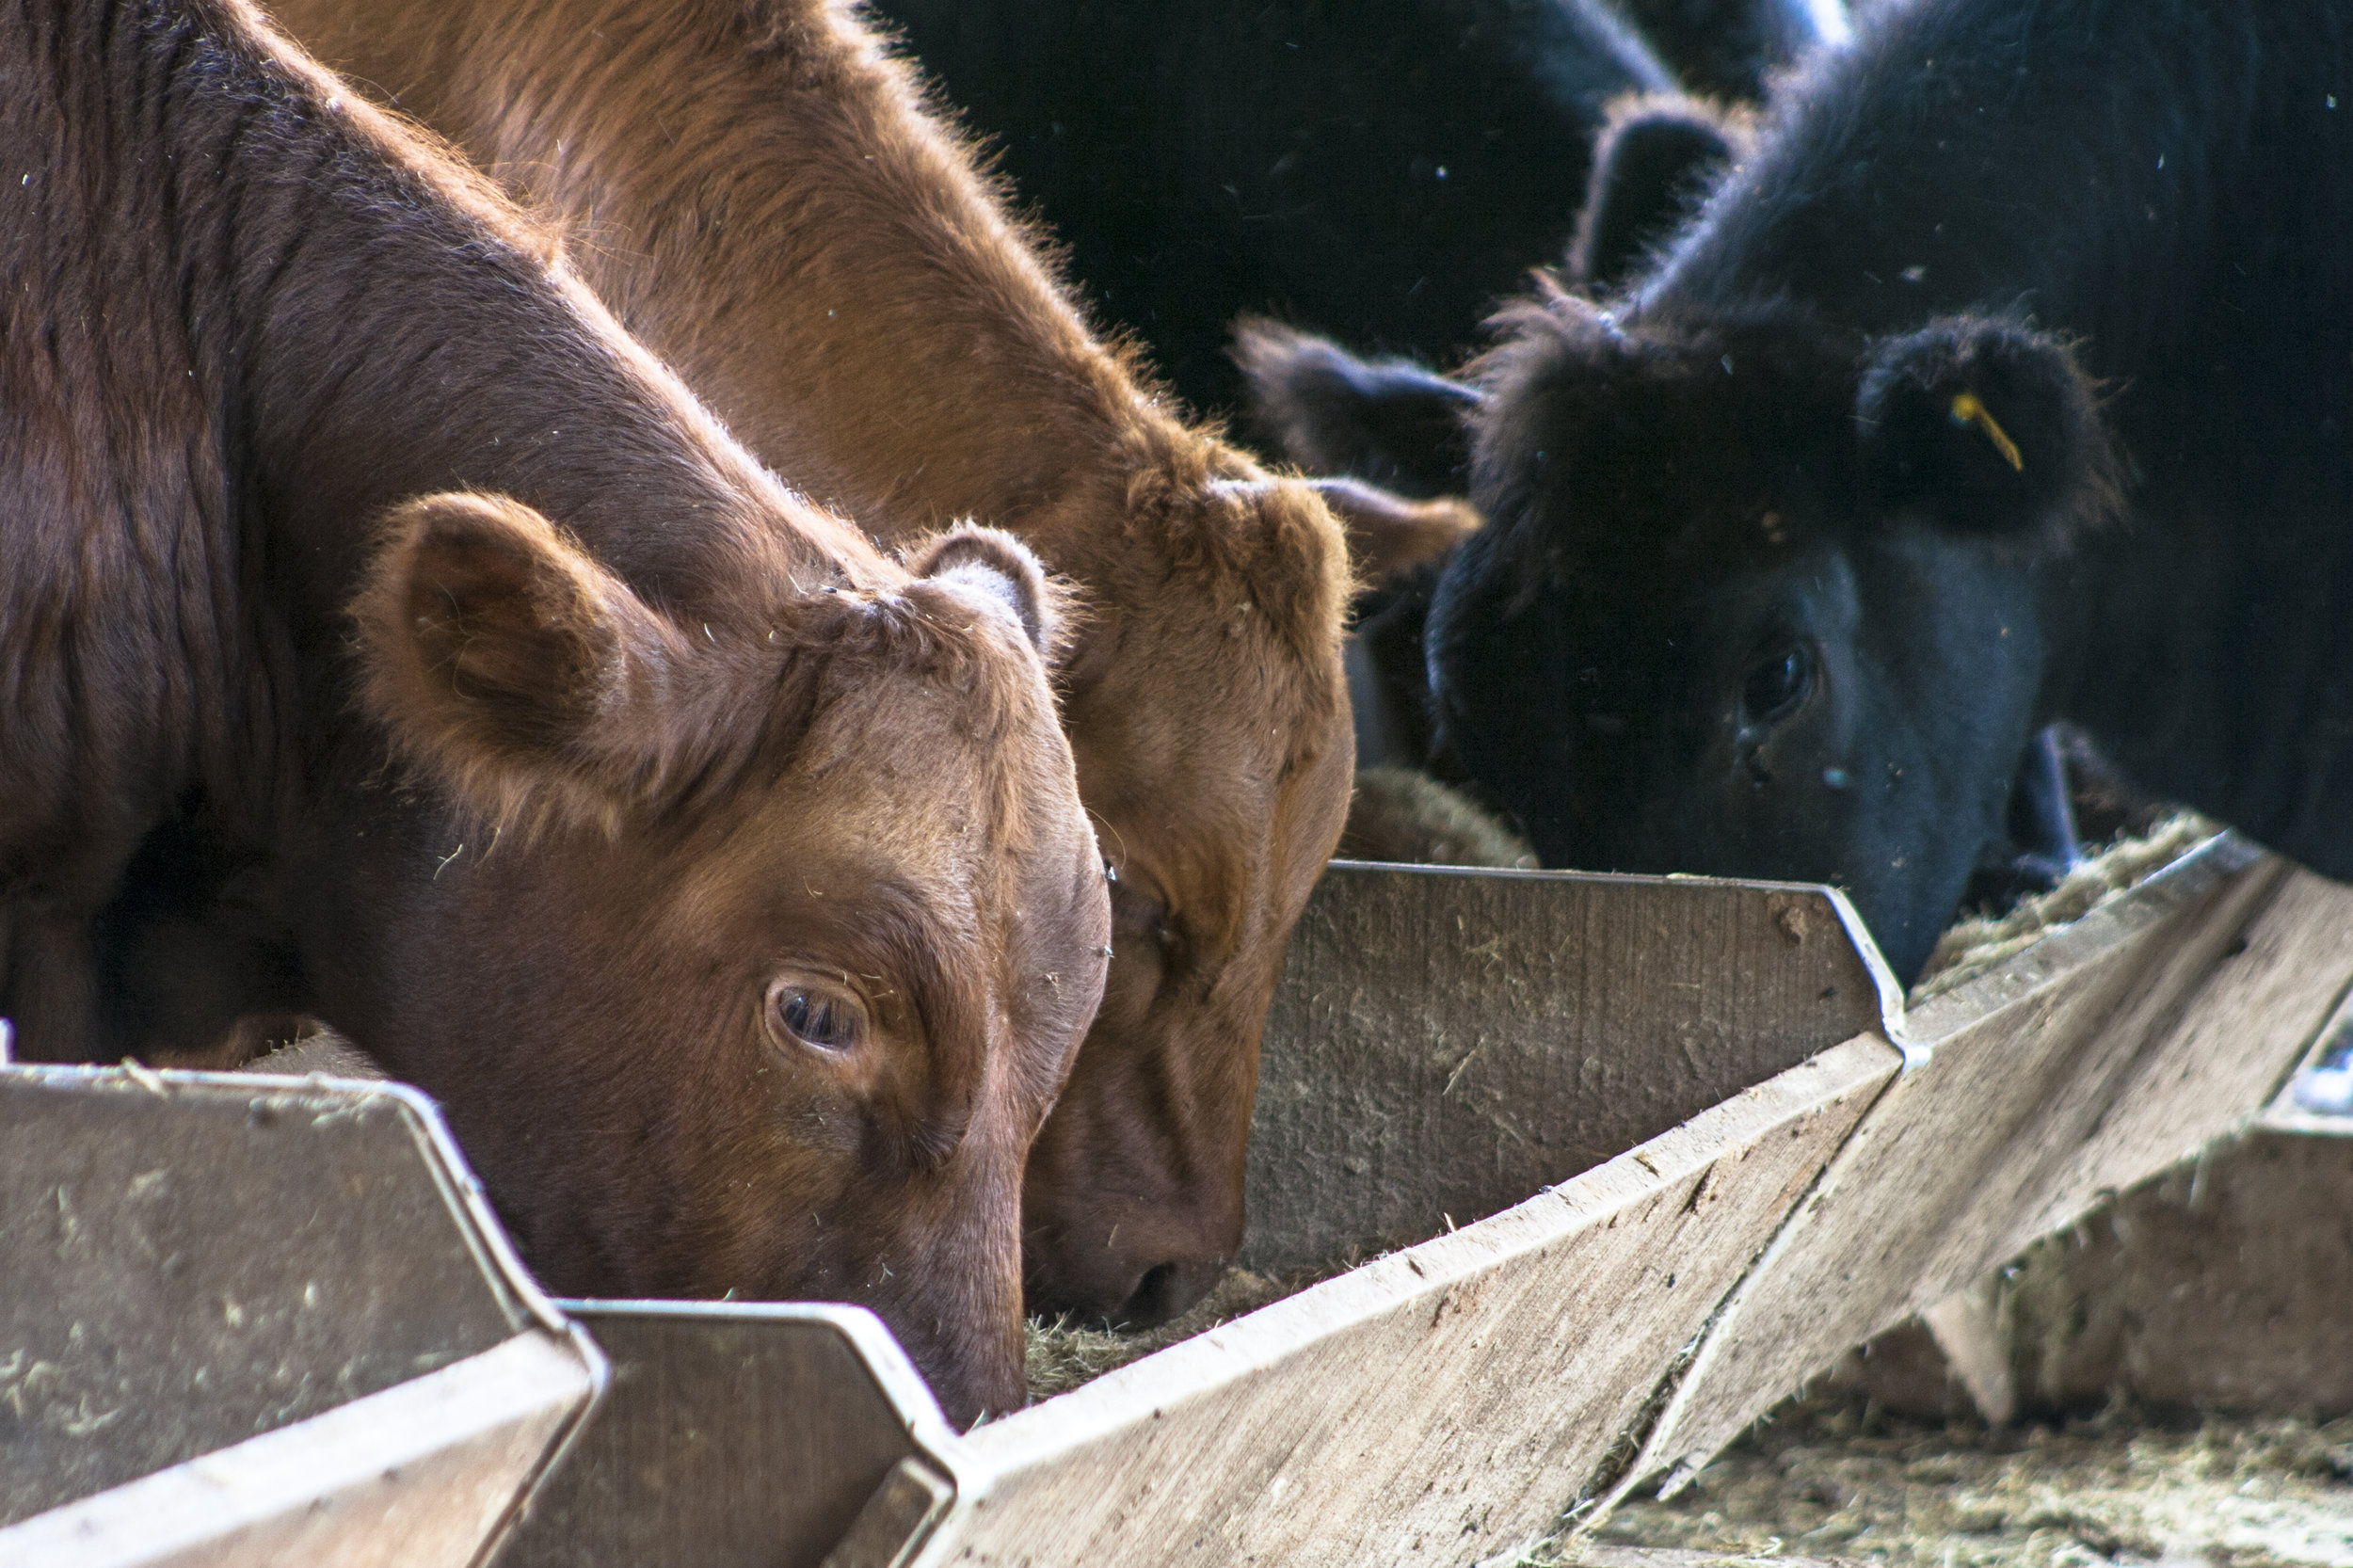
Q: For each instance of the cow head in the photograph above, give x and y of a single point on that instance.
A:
(1761, 599)
(746, 953)
(1209, 716)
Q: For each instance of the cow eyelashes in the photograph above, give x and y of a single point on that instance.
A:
(1778, 683)
(820, 1017)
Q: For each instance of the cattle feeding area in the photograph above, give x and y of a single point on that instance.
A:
(1518, 1241)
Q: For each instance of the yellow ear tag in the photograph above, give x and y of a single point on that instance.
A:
(1968, 410)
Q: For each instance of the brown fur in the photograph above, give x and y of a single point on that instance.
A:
(389, 639)
(759, 191)
(1389, 536)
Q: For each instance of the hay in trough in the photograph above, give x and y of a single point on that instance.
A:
(1063, 1355)
(1976, 943)
(1408, 818)
(1834, 1478)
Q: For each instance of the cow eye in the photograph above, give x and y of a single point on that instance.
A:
(1138, 917)
(827, 1017)
(1777, 683)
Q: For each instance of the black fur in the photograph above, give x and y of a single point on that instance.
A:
(1651, 167)
(1396, 422)
(1382, 170)
(1392, 424)
(2125, 229)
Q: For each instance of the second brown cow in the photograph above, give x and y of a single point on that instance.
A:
(757, 188)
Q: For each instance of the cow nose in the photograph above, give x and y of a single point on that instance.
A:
(1124, 1292)
(1165, 1290)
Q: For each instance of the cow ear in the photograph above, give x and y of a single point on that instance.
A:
(1389, 535)
(1315, 404)
(1000, 573)
(1984, 428)
(1650, 165)
(512, 667)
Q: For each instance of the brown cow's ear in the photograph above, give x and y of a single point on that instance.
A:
(1000, 571)
(1984, 428)
(510, 664)
(1387, 534)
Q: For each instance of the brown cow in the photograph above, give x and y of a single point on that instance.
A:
(761, 196)
(386, 629)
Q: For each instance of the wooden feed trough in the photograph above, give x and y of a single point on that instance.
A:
(259, 1320)
(1632, 1159)
(1651, 1152)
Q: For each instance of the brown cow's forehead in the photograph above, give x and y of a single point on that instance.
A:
(1204, 777)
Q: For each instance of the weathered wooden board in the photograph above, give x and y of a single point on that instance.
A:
(196, 1260)
(1746, 1184)
(418, 1476)
(2232, 1047)
(2156, 1022)
(2238, 1038)
(2222, 1285)
(1436, 1406)
(1443, 1043)
(748, 1433)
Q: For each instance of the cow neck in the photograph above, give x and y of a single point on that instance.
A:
(815, 256)
(393, 329)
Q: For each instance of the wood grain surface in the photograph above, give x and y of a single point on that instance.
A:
(416, 1476)
(2152, 1025)
(2228, 1053)
(1443, 1043)
(192, 1259)
(735, 1435)
(1436, 1406)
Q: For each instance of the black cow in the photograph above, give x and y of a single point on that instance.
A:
(2007, 380)
(1385, 169)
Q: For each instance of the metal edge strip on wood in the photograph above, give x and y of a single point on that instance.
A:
(2304, 1124)
(1359, 1415)
(417, 1476)
(2194, 875)
(2027, 1061)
